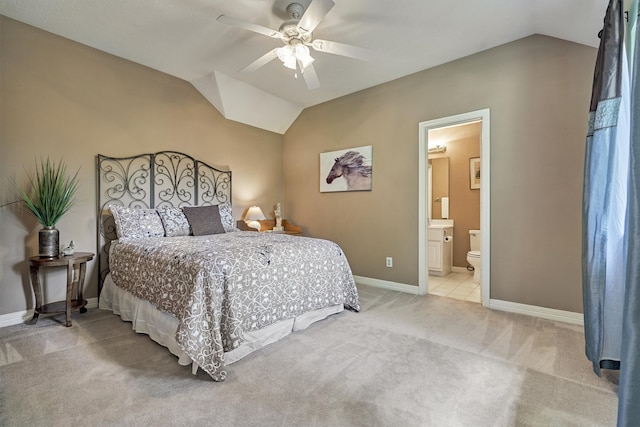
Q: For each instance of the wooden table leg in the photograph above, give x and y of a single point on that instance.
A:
(35, 284)
(83, 269)
(69, 289)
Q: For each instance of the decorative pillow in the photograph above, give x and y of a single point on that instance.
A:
(135, 223)
(226, 215)
(204, 220)
(174, 221)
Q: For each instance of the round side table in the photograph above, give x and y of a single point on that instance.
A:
(76, 267)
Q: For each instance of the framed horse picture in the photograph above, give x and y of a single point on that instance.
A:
(346, 170)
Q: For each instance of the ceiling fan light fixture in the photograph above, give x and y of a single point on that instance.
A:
(302, 53)
(293, 54)
(287, 55)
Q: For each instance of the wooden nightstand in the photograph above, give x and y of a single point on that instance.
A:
(268, 224)
(76, 267)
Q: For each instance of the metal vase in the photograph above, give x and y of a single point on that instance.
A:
(49, 242)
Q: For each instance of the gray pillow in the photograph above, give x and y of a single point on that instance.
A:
(204, 220)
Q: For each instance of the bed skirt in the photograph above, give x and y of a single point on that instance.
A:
(161, 327)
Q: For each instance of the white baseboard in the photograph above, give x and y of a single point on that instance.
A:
(385, 284)
(542, 312)
(16, 318)
(512, 307)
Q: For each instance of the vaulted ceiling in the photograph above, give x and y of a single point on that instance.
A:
(183, 38)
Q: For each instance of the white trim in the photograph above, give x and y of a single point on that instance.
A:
(542, 312)
(494, 304)
(385, 284)
(18, 317)
(485, 199)
(461, 270)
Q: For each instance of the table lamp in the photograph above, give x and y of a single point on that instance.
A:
(253, 216)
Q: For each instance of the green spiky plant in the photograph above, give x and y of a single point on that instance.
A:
(50, 193)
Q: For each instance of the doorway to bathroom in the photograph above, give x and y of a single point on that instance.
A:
(454, 200)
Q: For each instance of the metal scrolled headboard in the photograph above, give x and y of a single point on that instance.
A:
(165, 178)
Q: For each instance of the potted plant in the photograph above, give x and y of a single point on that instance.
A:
(48, 196)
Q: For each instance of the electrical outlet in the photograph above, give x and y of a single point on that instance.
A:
(389, 261)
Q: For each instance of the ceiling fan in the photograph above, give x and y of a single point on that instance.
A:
(296, 33)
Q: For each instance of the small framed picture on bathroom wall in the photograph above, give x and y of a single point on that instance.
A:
(474, 173)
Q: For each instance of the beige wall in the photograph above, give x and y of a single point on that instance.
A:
(538, 90)
(65, 100)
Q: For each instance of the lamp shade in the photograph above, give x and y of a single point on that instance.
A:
(302, 54)
(287, 55)
(253, 216)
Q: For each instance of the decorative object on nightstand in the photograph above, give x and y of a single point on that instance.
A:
(69, 250)
(76, 267)
(278, 213)
(48, 196)
(253, 217)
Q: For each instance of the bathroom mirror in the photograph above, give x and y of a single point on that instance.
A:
(439, 174)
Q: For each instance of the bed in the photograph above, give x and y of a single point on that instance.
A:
(172, 262)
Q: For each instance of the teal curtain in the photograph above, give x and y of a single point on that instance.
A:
(611, 211)
(629, 390)
(604, 197)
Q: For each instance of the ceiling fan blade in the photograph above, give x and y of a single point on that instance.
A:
(263, 60)
(310, 77)
(315, 13)
(250, 26)
(341, 49)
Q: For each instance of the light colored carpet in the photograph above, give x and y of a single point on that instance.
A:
(403, 360)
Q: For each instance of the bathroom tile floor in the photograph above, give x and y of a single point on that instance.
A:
(455, 285)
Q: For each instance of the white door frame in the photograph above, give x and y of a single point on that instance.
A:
(485, 199)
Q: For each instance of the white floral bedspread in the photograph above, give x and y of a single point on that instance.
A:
(224, 285)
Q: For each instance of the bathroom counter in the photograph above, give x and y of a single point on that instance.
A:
(440, 223)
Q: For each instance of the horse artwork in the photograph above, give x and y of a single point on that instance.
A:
(348, 170)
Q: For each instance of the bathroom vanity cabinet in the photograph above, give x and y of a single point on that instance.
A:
(440, 250)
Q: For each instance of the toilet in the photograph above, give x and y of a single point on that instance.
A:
(473, 256)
